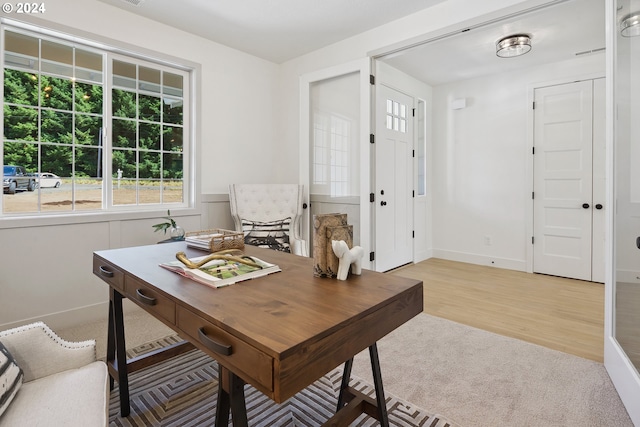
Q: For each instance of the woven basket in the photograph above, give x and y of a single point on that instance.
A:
(221, 239)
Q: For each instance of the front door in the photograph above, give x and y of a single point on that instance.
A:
(564, 199)
(394, 179)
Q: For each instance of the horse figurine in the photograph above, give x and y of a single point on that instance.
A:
(346, 258)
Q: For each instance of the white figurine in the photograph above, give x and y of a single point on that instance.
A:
(346, 258)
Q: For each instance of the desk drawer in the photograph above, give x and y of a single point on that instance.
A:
(237, 355)
(107, 272)
(150, 299)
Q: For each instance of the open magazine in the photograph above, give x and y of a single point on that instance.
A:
(219, 273)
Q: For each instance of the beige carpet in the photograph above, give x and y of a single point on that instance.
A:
(472, 377)
(477, 378)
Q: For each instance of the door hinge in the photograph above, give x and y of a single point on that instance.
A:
(413, 193)
(533, 150)
(372, 197)
(372, 79)
(413, 153)
(534, 105)
(533, 195)
(372, 256)
(532, 239)
(413, 234)
(413, 112)
(372, 138)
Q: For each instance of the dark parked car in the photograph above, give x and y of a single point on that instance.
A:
(16, 178)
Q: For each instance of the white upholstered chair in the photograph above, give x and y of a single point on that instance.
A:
(63, 384)
(270, 215)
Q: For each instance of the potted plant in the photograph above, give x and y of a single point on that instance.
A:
(175, 231)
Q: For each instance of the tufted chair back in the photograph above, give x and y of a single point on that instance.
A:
(268, 203)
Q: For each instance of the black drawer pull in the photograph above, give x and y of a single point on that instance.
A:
(145, 299)
(105, 272)
(223, 349)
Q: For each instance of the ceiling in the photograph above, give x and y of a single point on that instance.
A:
(276, 30)
(279, 30)
(557, 33)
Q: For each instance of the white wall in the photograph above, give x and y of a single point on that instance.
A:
(482, 163)
(440, 17)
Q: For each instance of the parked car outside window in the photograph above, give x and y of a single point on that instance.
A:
(16, 178)
(48, 180)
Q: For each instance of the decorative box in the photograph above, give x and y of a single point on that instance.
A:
(322, 251)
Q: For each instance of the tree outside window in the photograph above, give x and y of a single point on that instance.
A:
(55, 116)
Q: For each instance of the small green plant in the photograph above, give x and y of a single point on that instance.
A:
(164, 226)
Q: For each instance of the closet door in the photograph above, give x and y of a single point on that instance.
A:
(563, 190)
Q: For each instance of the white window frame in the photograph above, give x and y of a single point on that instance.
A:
(113, 49)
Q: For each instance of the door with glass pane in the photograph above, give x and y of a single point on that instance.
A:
(394, 179)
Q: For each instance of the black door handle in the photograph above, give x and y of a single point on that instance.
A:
(585, 205)
(598, 206)
(383, 203)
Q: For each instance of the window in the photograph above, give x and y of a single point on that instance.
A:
(109, 127)
(421, 148)
(396, 116)
(331, 153)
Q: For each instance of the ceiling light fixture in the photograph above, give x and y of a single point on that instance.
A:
(630, 25)
(515, 45)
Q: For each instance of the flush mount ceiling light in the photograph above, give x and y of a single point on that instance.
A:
(630, 25)
(515, 45)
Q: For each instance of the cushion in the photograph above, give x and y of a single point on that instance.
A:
(270, 235)
(73, 398)
(10, 378)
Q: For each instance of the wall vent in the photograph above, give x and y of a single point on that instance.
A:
(586, 52)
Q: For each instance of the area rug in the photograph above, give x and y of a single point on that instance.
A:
(182, 392)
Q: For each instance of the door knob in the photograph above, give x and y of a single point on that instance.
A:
(585, 205)
(598, 206)
(383, 203)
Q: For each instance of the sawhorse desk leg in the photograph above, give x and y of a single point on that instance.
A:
(352, 403)
(116, 350)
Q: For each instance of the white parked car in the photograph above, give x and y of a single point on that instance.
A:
(48, 180)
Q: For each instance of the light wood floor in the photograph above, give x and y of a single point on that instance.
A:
(558, 313)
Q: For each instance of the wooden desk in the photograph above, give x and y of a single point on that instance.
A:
(279, 333)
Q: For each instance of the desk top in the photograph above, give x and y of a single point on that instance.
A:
(307, 325)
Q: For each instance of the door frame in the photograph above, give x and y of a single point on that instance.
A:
(362, 66)
(529, 167)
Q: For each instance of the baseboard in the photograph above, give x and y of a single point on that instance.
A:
(506, 263)
(77, 316)
(628, 276)
(422, 255)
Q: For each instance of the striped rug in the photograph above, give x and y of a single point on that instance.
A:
(182, 392)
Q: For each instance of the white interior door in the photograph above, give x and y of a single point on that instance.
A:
(394, 179)
(563, 180)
